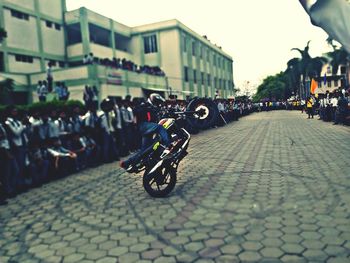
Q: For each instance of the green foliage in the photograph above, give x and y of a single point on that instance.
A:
(273, 88)
(46, 106)
(338, 57)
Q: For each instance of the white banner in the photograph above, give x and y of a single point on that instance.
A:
(333, 16)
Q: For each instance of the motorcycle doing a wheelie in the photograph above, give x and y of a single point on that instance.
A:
(160, 166)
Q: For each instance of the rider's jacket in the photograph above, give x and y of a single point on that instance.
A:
(146, 112)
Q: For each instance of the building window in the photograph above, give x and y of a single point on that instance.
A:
(58, 27)
(329, 84)
(186, 74)
(208, 78)
(24, 59)
(336, 82)
(215, 83)
(49, 24)
(208, 56)
(74, 34)
(193, 48)
(201, 52)
(150, 44)
(202, 77)
(214, 60)
(185, 43)
(329, 70)
(19, 15)
(342, 70)
(195, 76)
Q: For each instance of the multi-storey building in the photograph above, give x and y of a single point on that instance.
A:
(39, 32)
(329, 81)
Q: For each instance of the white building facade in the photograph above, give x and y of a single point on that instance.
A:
(39, 33)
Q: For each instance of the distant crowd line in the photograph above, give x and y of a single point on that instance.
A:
(52, 142)
(124, 64)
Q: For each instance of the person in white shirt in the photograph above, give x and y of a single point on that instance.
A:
(17, 139)
(334, 103)
(42, 90)
(9, 169)
(107, 123)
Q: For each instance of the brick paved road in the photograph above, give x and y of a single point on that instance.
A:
(272, 187)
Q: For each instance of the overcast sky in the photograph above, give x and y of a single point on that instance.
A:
(258, 34)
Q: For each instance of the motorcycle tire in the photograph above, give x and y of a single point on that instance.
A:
(211, 117)
(150, 179)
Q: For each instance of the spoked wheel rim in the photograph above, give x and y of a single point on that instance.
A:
(161, 183)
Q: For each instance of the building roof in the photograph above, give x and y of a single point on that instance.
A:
(174, 23)
(162, 25)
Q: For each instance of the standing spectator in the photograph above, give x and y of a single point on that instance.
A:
(17, 141)
(94, 95)
(128, 121)
(76, 119)
(87, 95)
(59, 90)
(86, 59)
(42, 91)
(119, 126)
(90, 58)
(49, 76)
(342, 109)
(334, 103)
(309, 107)
(65, 92)
(106, 119)
(9, 169)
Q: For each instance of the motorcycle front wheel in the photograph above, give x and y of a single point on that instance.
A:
(161, 182)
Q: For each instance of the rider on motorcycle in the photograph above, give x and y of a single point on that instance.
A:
(147, 117)
(147, 120)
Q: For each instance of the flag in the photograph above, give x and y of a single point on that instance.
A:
(313, 86)
(332, 16)
(324, 79)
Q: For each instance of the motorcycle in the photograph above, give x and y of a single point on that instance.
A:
(160, 166)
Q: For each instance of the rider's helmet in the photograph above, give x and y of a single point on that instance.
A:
(156, 100)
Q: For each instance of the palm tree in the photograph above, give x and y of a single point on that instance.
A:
(338, 57)
(293, 74)
(305, 67)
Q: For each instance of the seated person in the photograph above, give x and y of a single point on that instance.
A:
(64, 160)
(38, 164)
(79, 148)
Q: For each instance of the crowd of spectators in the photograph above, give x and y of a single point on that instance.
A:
(331, 107)
(61, 91)
(42, 145)
(124, 64)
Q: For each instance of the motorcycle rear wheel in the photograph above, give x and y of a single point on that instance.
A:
(160, 183)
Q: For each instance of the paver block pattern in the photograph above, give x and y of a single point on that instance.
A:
(272, 187)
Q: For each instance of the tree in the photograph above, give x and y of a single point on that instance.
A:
(299, 69)
(337, 57)
(273, 88)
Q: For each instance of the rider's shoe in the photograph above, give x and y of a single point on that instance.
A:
(123, 165)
